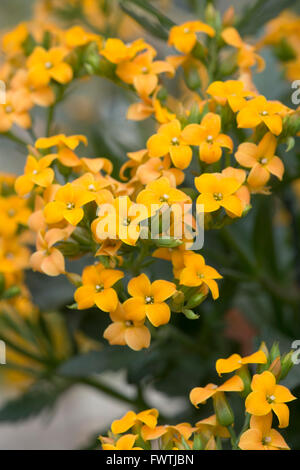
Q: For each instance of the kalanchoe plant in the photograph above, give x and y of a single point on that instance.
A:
(218, 145)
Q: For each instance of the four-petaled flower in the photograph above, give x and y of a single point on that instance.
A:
(97, 288)
(148, 300)
(196, 272)
(261, 436)
(184, 37)
(266, 396)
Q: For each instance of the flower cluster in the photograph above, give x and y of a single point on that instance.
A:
(261, 392)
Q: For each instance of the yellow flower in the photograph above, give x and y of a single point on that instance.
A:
(47, 258)
(247, 56)
(159, 193)
(77, 37)
(219, 191)
(231, 91)
(116, 51)
(169, 140)
(65, 146)
(40, 96)
(235, 362)
(184, 37)
(15, 111)
(201, 394)
(261, 159)
(97, 288)
(36, 172)
(207, 136)
(142, 72)
(266, 396)
(13, 41)
(261, 436)
(123, 443)
(259, 110)
(67, 205)
(45, 65)
(148, 417)
(148, 300)
(196, 272)
(124, 331)
(13, 213)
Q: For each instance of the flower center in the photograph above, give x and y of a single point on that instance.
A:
(128, 323)
(175, 141)
(270, 398)
(70, 205)
(218, 196)
(99, 287)
(164, 198)
(266, 440)
(9, 109)
(91, 187)
(11, 212)
(200, 275)
(48, 65)
(186, 30)
(209, 138)
(264, 113)
(145, 70)
(34, 172)
(149, 299)
(264, 161)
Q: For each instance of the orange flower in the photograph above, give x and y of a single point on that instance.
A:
(219, 191)
(247, 56)
(159, 193)
(196, 272)
(142, 72)
(97, 288)
(116, 51)
(259, 110)
(12, 42)
(184, 37)
(149, 300)
(77, 37)
(235, 362)
(207, 136)
(169, 140)
(124, 331)
(41, 96)
(261, 436)
(154, 168)
(95, 185)
(266, 396)
(65, 146)
(148, 417)
(13, 213)
(48, 259)
(123, 443)
(201, 394)
(67, 205)
(45, 65)
(261, 159)
(210, 426)
(37, 172)
(231, 91)
(15, 111)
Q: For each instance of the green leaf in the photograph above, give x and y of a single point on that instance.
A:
(155, 29)
(97, 361)
(37, 399)
(260, 13)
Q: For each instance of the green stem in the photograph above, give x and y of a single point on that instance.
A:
(144, 5)
(24, 352)
(16, 139)
(245, 425)
(49, 119)
(233, 438)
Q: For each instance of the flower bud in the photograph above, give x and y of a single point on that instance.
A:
(193, 79)
(177, 302)
(198, 444)
(196, 300)
(190, 314)
(223, 409)
(13, 291)
(275, 368)
(168, 243)
(275, 352)
(245, 375)
(284, 51)
(286, 364)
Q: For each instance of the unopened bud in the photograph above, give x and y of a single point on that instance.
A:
(195, 300)
(193, 79)
(74, 278)
(284, 51)
(223, 409)
(286, 364)
(245, 375)
(190, 314)
(11, 292)
(275, 368)
(177, 302)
